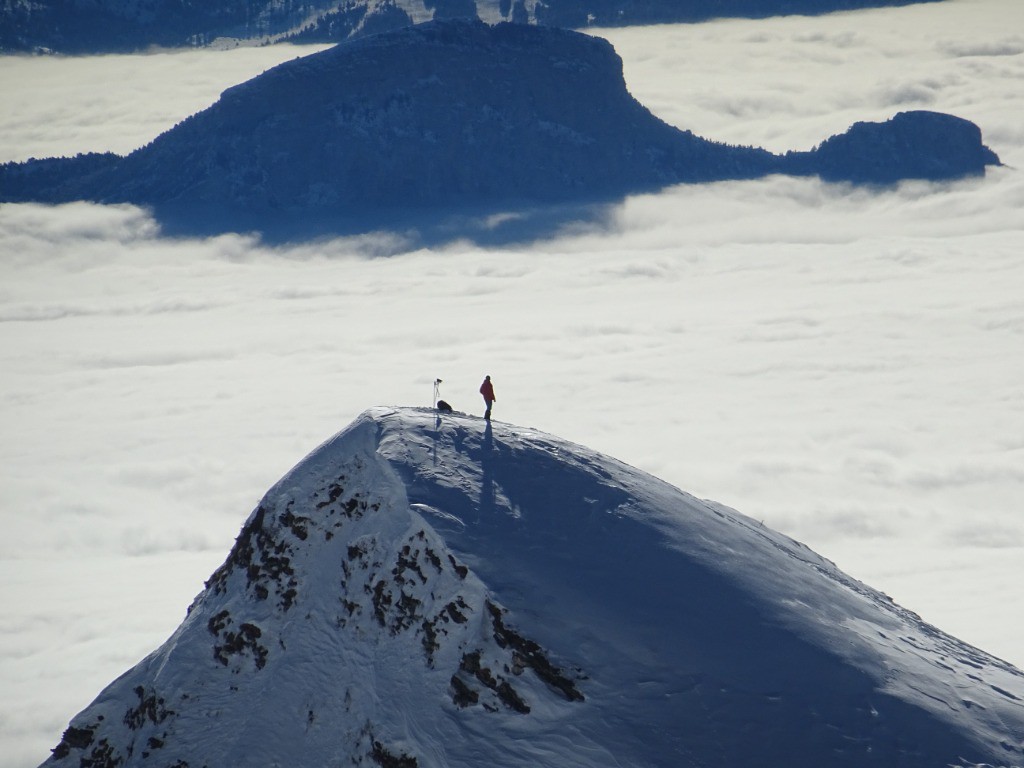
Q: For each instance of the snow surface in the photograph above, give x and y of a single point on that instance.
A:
(444, 591)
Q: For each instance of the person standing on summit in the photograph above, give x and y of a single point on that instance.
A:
(487, 390)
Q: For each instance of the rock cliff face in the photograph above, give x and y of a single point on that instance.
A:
(451, 117)
(428, 590)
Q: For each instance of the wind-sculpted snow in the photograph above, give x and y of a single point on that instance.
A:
(427, 590)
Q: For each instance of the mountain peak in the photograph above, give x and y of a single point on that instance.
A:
(427, 589)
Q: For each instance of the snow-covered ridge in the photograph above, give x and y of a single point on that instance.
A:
(427, 590)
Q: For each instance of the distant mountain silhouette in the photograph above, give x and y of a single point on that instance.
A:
(912, 145)
(67, 26)
(448, 118)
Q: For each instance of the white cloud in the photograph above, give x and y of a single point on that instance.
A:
(988, 537)
(1005, 46)
(823, 73)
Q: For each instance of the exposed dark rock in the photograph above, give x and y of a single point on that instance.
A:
(471, 663)
(231, 643)
(264, 560)
(511, 699)
(103, 755)
(405, 614)
(151, 708)
(431, 555)
(528, 653)
(382, 602)
(333, 494)
(433, 628)
(460, 569)
(297, 525)
(408, 561)
(507, 695)
(453, 610)
(74, 738)
(386, 759)
(462, 695)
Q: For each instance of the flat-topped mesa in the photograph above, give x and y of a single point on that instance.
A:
(435, 116)
(427, 589)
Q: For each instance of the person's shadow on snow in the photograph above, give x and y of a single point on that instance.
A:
(487, 471)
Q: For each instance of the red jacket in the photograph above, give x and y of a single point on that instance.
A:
(487, 390)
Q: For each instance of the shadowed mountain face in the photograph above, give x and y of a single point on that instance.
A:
(444, 113)
(76, 26)
(428, 590)
(451, 117)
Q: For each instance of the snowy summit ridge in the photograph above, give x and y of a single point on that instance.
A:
(435, 590)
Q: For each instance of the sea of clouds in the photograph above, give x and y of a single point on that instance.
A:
(843, 364)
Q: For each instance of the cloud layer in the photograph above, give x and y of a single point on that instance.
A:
(843, 364)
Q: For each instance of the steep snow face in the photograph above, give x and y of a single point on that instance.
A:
(427, 590)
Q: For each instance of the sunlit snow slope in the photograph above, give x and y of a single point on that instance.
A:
(426, 590)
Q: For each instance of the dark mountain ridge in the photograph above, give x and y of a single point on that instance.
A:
(99, 26)
(447, 118)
